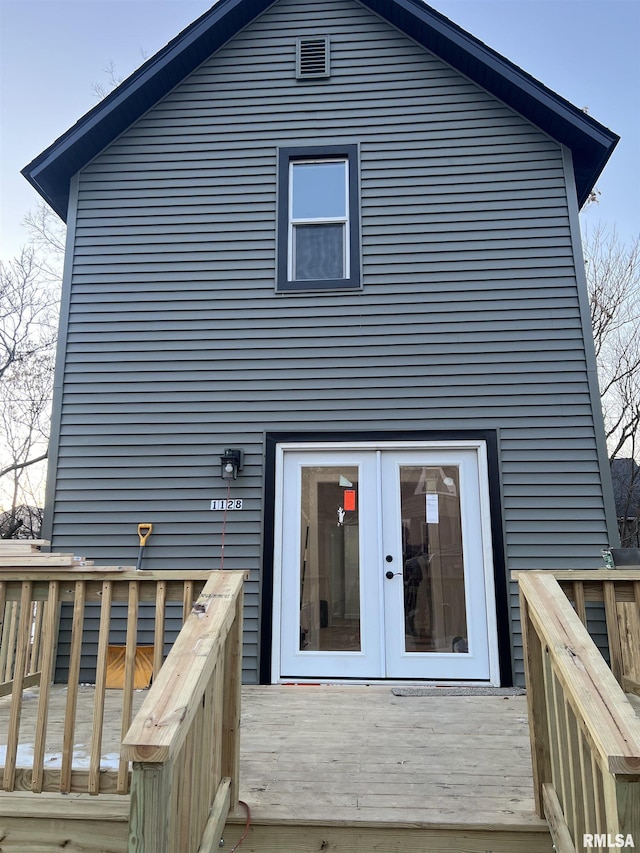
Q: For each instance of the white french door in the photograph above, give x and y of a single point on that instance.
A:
(383, 563)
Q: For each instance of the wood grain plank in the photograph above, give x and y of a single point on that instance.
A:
(231, 704)
(214, 828)
(101, 680)
(613, 629)
(23, 628)
(562, 840)
(158, 641)
(579, 602)
(49, 635)
(129, 672)
(72, 690)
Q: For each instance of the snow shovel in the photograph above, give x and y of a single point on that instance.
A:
(144, 532)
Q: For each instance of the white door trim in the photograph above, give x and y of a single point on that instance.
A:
(480, 448)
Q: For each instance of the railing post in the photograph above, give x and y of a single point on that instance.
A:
(149, 815)
(536, 705)
(622, 805)
(188, 728)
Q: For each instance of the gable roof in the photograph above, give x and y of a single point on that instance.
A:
(590, 142)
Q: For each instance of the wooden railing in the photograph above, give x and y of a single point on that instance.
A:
(30, 602)
(184, 742)
(585, 736)
(619, 591)
(29, 662)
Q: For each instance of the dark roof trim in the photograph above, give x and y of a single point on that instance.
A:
(590, 142)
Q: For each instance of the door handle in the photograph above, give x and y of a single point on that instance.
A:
(391, 575)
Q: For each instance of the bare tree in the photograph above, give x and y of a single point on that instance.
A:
(24, 314)
(613, 278)
(29, 294)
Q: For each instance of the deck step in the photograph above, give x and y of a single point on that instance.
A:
(307, 838)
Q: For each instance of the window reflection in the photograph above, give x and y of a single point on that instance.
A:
(329, 559)
(433, 566)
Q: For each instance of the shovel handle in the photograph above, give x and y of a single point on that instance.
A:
(144, 532)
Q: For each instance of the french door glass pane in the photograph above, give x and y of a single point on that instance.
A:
(329, 559)
(318, 252)
(433, 567)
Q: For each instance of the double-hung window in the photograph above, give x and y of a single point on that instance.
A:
(318, 222)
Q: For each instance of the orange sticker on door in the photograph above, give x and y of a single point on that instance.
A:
(350, 500)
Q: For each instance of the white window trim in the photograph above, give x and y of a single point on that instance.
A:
(319, 220)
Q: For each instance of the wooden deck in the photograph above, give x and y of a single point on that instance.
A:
(350, 769)
(358, 769)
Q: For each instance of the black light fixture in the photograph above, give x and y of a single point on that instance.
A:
(231, 462)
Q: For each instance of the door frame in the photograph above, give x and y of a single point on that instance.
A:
(275, 445)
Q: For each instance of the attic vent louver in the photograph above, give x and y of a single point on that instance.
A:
(312, 57)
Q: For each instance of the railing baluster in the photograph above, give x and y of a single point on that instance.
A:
(562, 746)
(587, 802)
(579, 602)
(12, 633)
(187, 600)
(598, 794)
(49, 633)
(101, 679)
(552, 735)
(190, 758)
(577, 824)
(610, 804)
(230, 766)
(158, 640)
(23, 629)
(536, 706)
(613, 631)
(209, 780)
(73, 680)
(129, 675)
(31, 662)
(4, 625)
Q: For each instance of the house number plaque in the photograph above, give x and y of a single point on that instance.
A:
(234, 503)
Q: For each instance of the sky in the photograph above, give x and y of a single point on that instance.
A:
(54, 52)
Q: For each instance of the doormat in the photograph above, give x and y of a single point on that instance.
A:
(458, 691)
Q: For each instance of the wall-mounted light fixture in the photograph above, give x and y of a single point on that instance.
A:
(231, 462)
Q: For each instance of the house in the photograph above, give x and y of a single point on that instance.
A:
(325, 319)
(625, 474)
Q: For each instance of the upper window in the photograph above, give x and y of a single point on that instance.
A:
(318, 240)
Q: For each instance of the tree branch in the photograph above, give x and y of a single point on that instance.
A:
(20, 465)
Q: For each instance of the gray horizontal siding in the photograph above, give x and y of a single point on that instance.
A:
(178, 346)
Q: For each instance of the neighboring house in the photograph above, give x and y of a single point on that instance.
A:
(342, 237)
(625, 474)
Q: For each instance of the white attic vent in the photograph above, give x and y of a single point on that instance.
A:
(312, 57)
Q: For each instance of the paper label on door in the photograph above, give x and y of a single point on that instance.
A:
(350, 499)
(432, 509)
